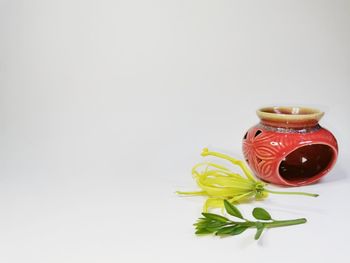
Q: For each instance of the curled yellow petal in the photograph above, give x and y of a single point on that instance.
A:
(234, 161)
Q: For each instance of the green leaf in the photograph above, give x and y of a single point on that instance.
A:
(201, 223)
(259, 229)
(215, 217)
(202, 231)
(231, 230)
(232, 210)
(261, 214)
(200, 220)
(215, 224)
(238, 230)
(211, 229)
(198, 226)
(225, 230)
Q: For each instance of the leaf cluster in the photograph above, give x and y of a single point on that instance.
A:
(222, 226)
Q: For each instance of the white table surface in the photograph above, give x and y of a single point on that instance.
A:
(106, 105)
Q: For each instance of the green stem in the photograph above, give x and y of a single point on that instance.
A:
(275, 223)
(285, 223)
(290, 193)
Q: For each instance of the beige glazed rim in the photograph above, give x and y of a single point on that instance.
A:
(290, 116)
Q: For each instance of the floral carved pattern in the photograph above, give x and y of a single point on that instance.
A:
(265, 149)
(260, 151)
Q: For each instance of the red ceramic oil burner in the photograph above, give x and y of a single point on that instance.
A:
(289, 147)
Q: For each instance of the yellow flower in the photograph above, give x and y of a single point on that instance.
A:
(218, 183)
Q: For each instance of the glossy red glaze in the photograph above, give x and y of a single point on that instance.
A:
(291, 156)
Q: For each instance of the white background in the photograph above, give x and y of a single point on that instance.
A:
(106, 105)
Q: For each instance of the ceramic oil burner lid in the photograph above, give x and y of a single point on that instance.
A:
(289, 147)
